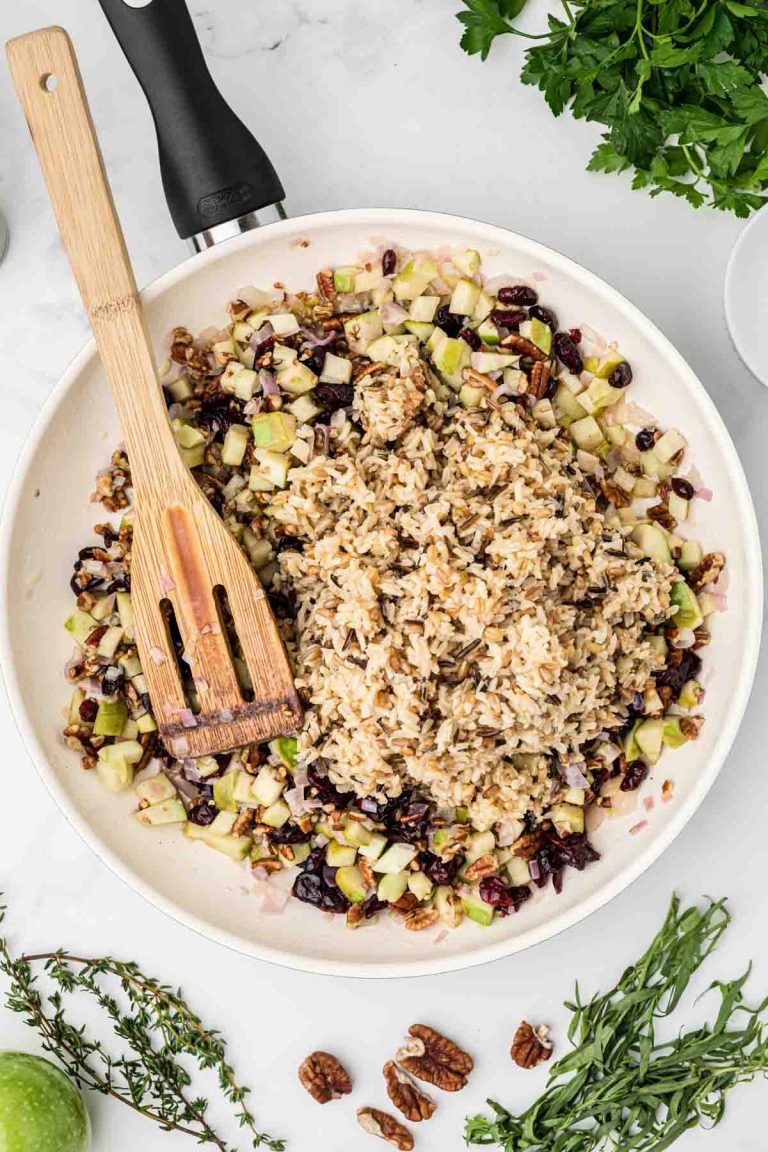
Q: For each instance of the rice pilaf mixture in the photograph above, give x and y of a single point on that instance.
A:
(471, 541)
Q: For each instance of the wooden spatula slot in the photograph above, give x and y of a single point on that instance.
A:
(229, 630)
(181, 552)
(174, 652)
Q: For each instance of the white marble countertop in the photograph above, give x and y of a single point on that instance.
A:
(363, 104)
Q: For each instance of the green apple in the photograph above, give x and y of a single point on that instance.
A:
(40, 1109)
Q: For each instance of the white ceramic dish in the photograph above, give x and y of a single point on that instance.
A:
(745, 295)
(48, 517)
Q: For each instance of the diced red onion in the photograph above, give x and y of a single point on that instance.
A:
(504, 391)
(636, 829)
(495, 283)
(574, 777)
(685, 638)
(392, 314)
(508, 831)
(157, 656)
(269, 385)
(705, 494)
(253, 407)
(315, 340)
(187, 718)
(225, 716)
(262, 335)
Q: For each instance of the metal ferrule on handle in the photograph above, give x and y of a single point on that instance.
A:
(218, 180)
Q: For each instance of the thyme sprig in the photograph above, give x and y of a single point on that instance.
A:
(620, 1088)
(160, 1032)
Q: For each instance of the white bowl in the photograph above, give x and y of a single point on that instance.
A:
(48, 517)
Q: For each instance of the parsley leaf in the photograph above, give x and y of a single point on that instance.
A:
(677, 85)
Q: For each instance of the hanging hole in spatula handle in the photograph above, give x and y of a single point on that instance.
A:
(213, 168)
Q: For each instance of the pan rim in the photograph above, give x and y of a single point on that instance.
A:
(390, 218)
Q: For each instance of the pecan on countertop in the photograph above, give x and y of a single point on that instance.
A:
(531, 1046)
(406, 1096)
(324, 1077)
(433, 1058)
(382, 1124)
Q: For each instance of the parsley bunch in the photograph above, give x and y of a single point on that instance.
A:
(676, 83)
(620, 1087)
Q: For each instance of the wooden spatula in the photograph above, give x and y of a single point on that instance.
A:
(182, 553)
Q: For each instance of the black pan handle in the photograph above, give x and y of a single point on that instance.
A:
(213, 169)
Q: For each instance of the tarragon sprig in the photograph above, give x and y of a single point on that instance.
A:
(619, 1087)
(158, 1031)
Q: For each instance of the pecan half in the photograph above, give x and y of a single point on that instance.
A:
(481, 867)
(406, 1096)
(382, 1124)
(530, 1045)
(708, 571)
(324, 1077)
(420, 919)
(325, 285)
(523, 347)
(541, 374)
(433, 1058)
(662, 515)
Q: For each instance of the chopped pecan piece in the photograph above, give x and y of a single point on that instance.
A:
(433, 1058)
(528, 844)
(702, 638)
(531, 1045)
(691, 726)
(523, 347)
(406, 1096)
(708, 571)
(541, 373)
(325, 284)
(382, 1124)
(324, 1077)
(662, 515)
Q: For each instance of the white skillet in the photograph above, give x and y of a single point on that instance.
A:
(48, 517)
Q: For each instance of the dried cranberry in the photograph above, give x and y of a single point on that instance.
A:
(112, 680)
(567, 352)
(448, 321)
(383, 810)
(621, 375)
(682, 488)
(312, 889)
(290, 833)
(636, 771)
(471, 338)
(676, 675)
(203, 813)
(520, 294)
(289, 544)
(574, 850)
(500, 896)
(333, 396)
(217, 411)
(371, 905)
(508, 318)
(440, 871)
(88, 710)
(389, 262)
(264, 346)
(324, 789)
(645, 439)
(280, 604)
(315, 361)
(411, 822)
(575, 335)
(544, 316)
